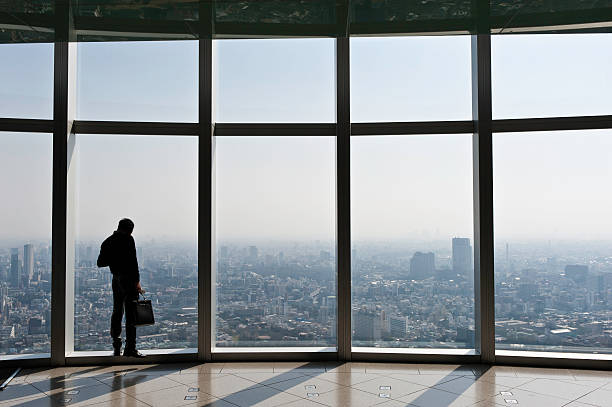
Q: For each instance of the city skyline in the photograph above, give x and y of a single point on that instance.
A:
(396, 302)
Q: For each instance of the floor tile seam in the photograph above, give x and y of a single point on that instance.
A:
(518, 386)
(449, 392)
(222, 399)
(40, 390)
(263, 384)
(350, 385)
(493, 382)
(87, 402)
(419, 384)
(122, 390)
(139, 400)
(598, 386)
(545, 395)
(397, 397)
(73, 387)
(24, 399)
(478, 398)
(251, 380)
(584, 395)
(285, 391)
(580, 385)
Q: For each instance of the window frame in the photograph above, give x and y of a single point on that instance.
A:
(64, 128)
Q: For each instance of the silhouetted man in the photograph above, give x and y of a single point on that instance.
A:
(118, 252)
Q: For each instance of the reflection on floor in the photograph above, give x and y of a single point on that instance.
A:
(308, 384)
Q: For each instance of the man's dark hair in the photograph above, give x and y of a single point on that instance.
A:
(126, 225)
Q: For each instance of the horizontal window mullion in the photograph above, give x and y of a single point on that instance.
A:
(552, 124)
(136, 128)
(404, 128)
(26, 125)
(275, 129)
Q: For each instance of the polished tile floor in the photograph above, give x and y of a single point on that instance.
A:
(308, 384)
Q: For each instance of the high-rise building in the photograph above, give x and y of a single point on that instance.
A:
(28, 263)
(462, 257)
(398, 327)
(577, 272)
(253, 253)
(367, 325)
(14, 274)
(223, 252)
(422, 265)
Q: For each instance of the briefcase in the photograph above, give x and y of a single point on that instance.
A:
(143, 312)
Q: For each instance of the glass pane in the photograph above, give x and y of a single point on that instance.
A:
(26, 83)
(25, 243)
(153, 181)
(553, 240)
(287, 80)
(412, 259)
(275, 241)
(551, 75)
(410, 79)
(138, 81)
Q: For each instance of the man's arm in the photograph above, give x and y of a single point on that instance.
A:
(103, 260)
(134, 262)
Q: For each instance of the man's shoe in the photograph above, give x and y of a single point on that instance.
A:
(117, 351)
(133, 353)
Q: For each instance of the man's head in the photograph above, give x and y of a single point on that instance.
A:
(125, 226)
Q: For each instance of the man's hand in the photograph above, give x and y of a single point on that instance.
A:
(139, 288)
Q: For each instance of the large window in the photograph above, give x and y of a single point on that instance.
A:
(412, 257)
(553, 241)
(138, 81)
(275, 241)
(289, 241)
(153, 181)
(400, 79)
(275, 81)
(551, 75)
(26, 81)
(25, 243)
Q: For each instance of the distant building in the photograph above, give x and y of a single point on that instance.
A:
(398, 327)
(576, 272)
(35, 326)
(368, 325)
(15, 276)
(422, 265)
(223, 252)
(28, 263)
(462, 257)
(253, 253)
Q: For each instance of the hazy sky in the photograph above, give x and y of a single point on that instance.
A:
(547, 186)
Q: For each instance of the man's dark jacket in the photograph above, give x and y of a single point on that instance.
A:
(118, 252)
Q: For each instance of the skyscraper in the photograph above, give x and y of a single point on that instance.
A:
(422, 265)
(15, 276)
(577, 272)
(253, 253)
(28, 263)
(462, 257)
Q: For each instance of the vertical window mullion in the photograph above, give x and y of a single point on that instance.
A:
(483, 197)
(343, 192)
(205, 241)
